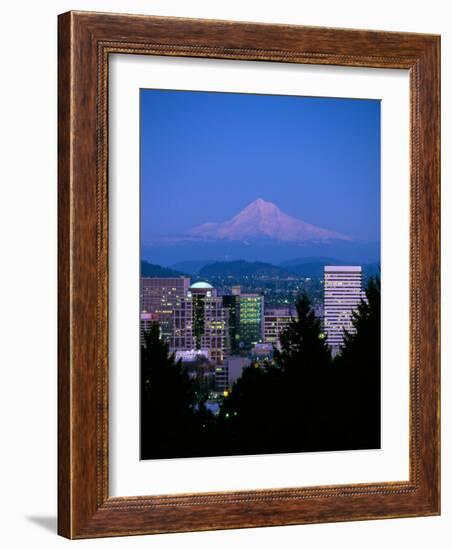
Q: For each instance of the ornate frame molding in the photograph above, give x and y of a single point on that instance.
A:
(85, 42)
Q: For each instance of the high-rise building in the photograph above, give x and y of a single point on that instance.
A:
(160, 295)
(201, 322)
(146, 320)
(275, 321)
(251, 319)
(342, 294)
(232, 303)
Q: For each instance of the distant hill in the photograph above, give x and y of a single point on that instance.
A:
(153, 270)
(300, 267)
(172, 253)
(190, 266)
(242, 268)
(313, 267)
(325, 260)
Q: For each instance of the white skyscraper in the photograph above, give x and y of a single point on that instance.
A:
(342, 294)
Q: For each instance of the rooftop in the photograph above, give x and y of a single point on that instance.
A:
(352, 268)
(201, 284)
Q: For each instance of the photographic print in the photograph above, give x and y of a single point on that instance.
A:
(260, 274)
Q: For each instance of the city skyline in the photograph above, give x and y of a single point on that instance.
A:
(195, 315)
(207, 328)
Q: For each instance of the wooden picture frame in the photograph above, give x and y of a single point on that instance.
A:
(85, 42)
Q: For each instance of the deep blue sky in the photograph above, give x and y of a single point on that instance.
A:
(205, 156)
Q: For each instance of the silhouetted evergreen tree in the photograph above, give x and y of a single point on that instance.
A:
(284, 407)
(305, 359)
(303, 345)
(359, 371)
(251, 415)
(168, 416)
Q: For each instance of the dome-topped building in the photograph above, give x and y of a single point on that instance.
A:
(201, 288)
(200, 321)
(201, 285)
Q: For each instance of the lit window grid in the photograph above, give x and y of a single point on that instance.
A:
(210, 317)
(342, 295)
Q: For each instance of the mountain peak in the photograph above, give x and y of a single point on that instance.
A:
(262, 219)
(260, 206)
(260, 202)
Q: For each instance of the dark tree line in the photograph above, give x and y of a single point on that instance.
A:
(302, 401)
(359, 369)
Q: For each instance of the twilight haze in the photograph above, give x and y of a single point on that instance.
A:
(208, 157)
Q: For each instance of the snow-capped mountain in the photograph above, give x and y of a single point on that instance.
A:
(262, 219)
